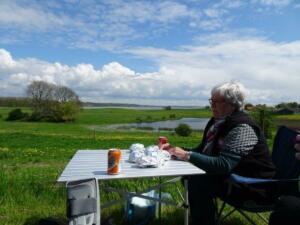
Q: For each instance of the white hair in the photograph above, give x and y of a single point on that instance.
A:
(233, 93)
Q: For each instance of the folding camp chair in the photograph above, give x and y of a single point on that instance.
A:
(83, 202)
(286, 178)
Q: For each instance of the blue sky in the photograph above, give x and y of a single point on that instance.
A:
(152, 52)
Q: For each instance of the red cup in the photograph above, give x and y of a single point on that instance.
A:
(162, 140)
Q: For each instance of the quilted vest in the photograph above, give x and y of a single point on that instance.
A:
(257, 163)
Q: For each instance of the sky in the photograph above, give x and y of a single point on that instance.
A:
(152, 52)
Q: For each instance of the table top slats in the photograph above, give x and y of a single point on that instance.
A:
(93, 163)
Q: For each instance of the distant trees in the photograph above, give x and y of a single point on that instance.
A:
(51, 102)
(14, 102)
(290, 105)
(42, 95)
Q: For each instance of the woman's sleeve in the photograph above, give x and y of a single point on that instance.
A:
(223, 163)
(238, 142)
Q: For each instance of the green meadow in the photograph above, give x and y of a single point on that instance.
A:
(32, 156)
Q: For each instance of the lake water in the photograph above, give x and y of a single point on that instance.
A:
(194, 123)
(143, 107)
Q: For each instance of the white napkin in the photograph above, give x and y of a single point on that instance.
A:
(149, 161)
(151, 156)
(135, 155)
(137, 147)
(152, 150)
(136, 151)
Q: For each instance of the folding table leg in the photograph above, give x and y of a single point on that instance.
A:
(159, 204)
(186, 202)
(98, 214)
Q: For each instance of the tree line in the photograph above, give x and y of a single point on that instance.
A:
(14, 102)
(49, 102)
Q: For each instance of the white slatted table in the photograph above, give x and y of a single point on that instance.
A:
(93, 164)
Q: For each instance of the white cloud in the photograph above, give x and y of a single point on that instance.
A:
(97, 24)
(145, 11)
(110, 25)
(228, 4)
(270, 70)
(213, 12)
(185, 76)
(6, 59)
(103, 20)
(169, 11)
(276, 2)
(29, 17)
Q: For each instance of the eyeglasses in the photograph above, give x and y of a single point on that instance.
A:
(212, 101)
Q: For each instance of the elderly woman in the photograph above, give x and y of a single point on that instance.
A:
(232, 143)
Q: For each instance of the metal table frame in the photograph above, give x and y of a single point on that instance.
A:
(93, 164)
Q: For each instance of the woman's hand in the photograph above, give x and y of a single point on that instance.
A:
(179, 153)
(165, 146)
(175, 151)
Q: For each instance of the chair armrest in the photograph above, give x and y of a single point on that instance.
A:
(248, 180)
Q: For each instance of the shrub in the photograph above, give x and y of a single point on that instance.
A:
(172, 116)
(183, 130)
(138, 120)
(263, 117)
(66, 111)
(35, 117)
(16, 114)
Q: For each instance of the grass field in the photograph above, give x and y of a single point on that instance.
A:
(32, 156)
(292, 121)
